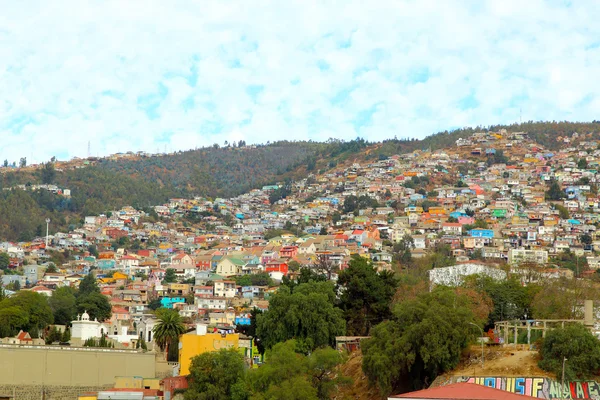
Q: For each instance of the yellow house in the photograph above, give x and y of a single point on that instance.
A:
(193, 344)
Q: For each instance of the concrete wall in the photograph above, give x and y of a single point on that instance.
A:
(48, 366)
(39, 392)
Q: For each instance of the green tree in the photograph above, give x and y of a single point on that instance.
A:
(4, 261)
(12, 318)
(35, 306)
(366, 295)
(154, 304)
(424, 339)
(95, 304)
(170, 276)
(563, 212)
(582, 163)
(88, 285)
(169, 327)
(294, 266)
(511, 299)
(307, 314)
(555, 192)
(48, 173)
(217, 376)
(51, 268)
(288, 374)
(578, 345)
(585, 239)
(63, 305)
(66, 336)
(53, 336)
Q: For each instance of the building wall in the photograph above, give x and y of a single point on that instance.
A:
(538, 387)
(37, 392)
(42, 365)
(192, 345)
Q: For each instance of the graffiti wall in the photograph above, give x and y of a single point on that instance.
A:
(543, 388)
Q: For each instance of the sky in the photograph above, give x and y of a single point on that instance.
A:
(150, 75)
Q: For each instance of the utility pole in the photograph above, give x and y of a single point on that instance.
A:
(47, 230)
(481, 340)
(562, 382)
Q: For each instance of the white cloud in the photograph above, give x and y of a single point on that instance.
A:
(142, 75)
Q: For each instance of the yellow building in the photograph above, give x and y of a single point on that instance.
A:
(193, 344)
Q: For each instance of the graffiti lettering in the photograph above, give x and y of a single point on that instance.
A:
(542, 388)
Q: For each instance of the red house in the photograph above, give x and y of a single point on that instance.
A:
(277, 266)
(288, 252)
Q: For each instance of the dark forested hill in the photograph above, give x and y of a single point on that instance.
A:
(213, 172)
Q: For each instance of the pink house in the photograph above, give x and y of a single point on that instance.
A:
(466, 220)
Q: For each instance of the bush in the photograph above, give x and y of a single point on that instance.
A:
(575, 343)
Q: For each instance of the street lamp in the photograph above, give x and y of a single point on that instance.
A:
(481, 339)
(47, 229)
(562, 382)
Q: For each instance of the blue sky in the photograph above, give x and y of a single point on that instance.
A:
(153, 75)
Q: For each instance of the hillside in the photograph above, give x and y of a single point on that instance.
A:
(143, 181)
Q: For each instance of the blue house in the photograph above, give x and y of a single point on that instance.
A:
(482, 233)
(457, 214)
(242, 320)
(167, 302)
(416, 197)
(106, 264)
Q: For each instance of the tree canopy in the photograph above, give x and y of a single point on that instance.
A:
(578, 345)
(424, 339)
(307, 314)
(366, 295)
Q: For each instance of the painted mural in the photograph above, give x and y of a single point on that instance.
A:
(543, 388)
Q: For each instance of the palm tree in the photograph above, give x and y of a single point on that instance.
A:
(167, 330)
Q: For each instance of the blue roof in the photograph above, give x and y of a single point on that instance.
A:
(574, 222)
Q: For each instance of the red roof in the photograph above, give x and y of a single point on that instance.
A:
(462, 391)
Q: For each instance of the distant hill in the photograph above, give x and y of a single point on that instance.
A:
(215, 172)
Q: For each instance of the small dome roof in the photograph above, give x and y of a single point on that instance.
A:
(85, 316)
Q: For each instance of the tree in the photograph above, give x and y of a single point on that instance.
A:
(563, 212)
(4, 261)
(170, 276)
(578, 345)
(561, 298)
(325, 266)
(12, 318)
(288, 374)
(36, 306)
(51, 268)
(424, 339)
(63, 305)
(53, 336)
(95, 304)
(23, 162)
(555, 192)
(511, 299)
(154, 304)
(582, 163)
(294, 266)
(307, 314)
(217, 376)
(585, 239)
(88, 285)
(366, 295)
(169, 327)
(66, 336)
(402, 250)
(48, 173)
